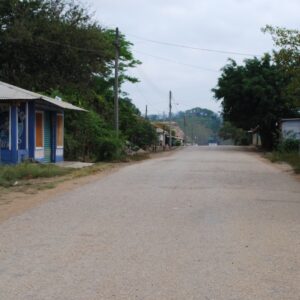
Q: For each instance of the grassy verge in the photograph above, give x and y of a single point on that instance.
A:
(46, 176)
(292, 158)
(11, 175)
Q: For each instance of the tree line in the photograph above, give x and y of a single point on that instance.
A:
(55, 47)
(263, 90)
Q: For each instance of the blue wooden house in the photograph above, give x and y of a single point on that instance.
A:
(31, 126)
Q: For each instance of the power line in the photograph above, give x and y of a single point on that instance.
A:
(191, 47)
(150, 83)
(98, 51)
(177, 62)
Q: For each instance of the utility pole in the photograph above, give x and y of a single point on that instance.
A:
(116, 87)
(170, 116)
(146, 112)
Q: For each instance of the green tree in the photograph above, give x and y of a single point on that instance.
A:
(253, 95)
(136, 129)
(238, 135)
(288, 57)
(55, 47)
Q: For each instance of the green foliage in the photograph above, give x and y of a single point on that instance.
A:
(46, 43)
(238, 135)
(252, 95)
(110, 148)
(287, 57)
(292, 158)
(55, 47)
(10, 174)
(136, 129)
(87, 137)
(289, 145)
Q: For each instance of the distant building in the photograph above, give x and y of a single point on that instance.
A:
(290, 128)
(163, 131)
(161, 136)
(31, 126)
(255, 138)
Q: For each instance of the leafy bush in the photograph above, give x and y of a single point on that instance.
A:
(136, 129)
(289, 145)
(88, 138)
(110, 148)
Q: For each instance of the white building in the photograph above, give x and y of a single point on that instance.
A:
(290, 128)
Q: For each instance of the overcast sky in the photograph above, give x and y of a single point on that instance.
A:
(227, 25)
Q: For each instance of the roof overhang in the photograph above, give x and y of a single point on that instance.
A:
(10, 93)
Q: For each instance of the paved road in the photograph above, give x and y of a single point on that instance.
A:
(204, 223)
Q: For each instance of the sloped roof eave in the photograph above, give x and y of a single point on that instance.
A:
(10, 92)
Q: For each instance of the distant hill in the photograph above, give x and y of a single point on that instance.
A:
(200, 125)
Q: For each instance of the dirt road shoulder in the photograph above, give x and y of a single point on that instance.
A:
(15, 201)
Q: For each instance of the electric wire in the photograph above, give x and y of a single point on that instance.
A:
(176, 62)
(191, 47)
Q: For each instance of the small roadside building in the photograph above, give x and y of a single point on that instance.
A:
(31, 126)
(290, 128)
(161, 136)
(254, 137)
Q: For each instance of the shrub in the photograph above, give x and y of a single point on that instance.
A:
(88, 138)
(109, 148)
(289, 145)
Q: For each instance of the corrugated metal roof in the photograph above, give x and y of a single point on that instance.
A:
(11, 92)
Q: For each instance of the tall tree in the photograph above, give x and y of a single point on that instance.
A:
(56, 44)
(56, 47)
(253, 95)
(287, 57)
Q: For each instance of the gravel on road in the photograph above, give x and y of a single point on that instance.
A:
(204, 223)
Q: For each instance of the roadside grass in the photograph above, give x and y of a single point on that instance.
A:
(32, 177)
(292, 158)
(11, 175)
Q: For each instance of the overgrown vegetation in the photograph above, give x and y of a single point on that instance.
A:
(292, 158)
(288, 151)
(56, 47)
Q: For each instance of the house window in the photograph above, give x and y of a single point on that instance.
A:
(39, 136)
(60, 131)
